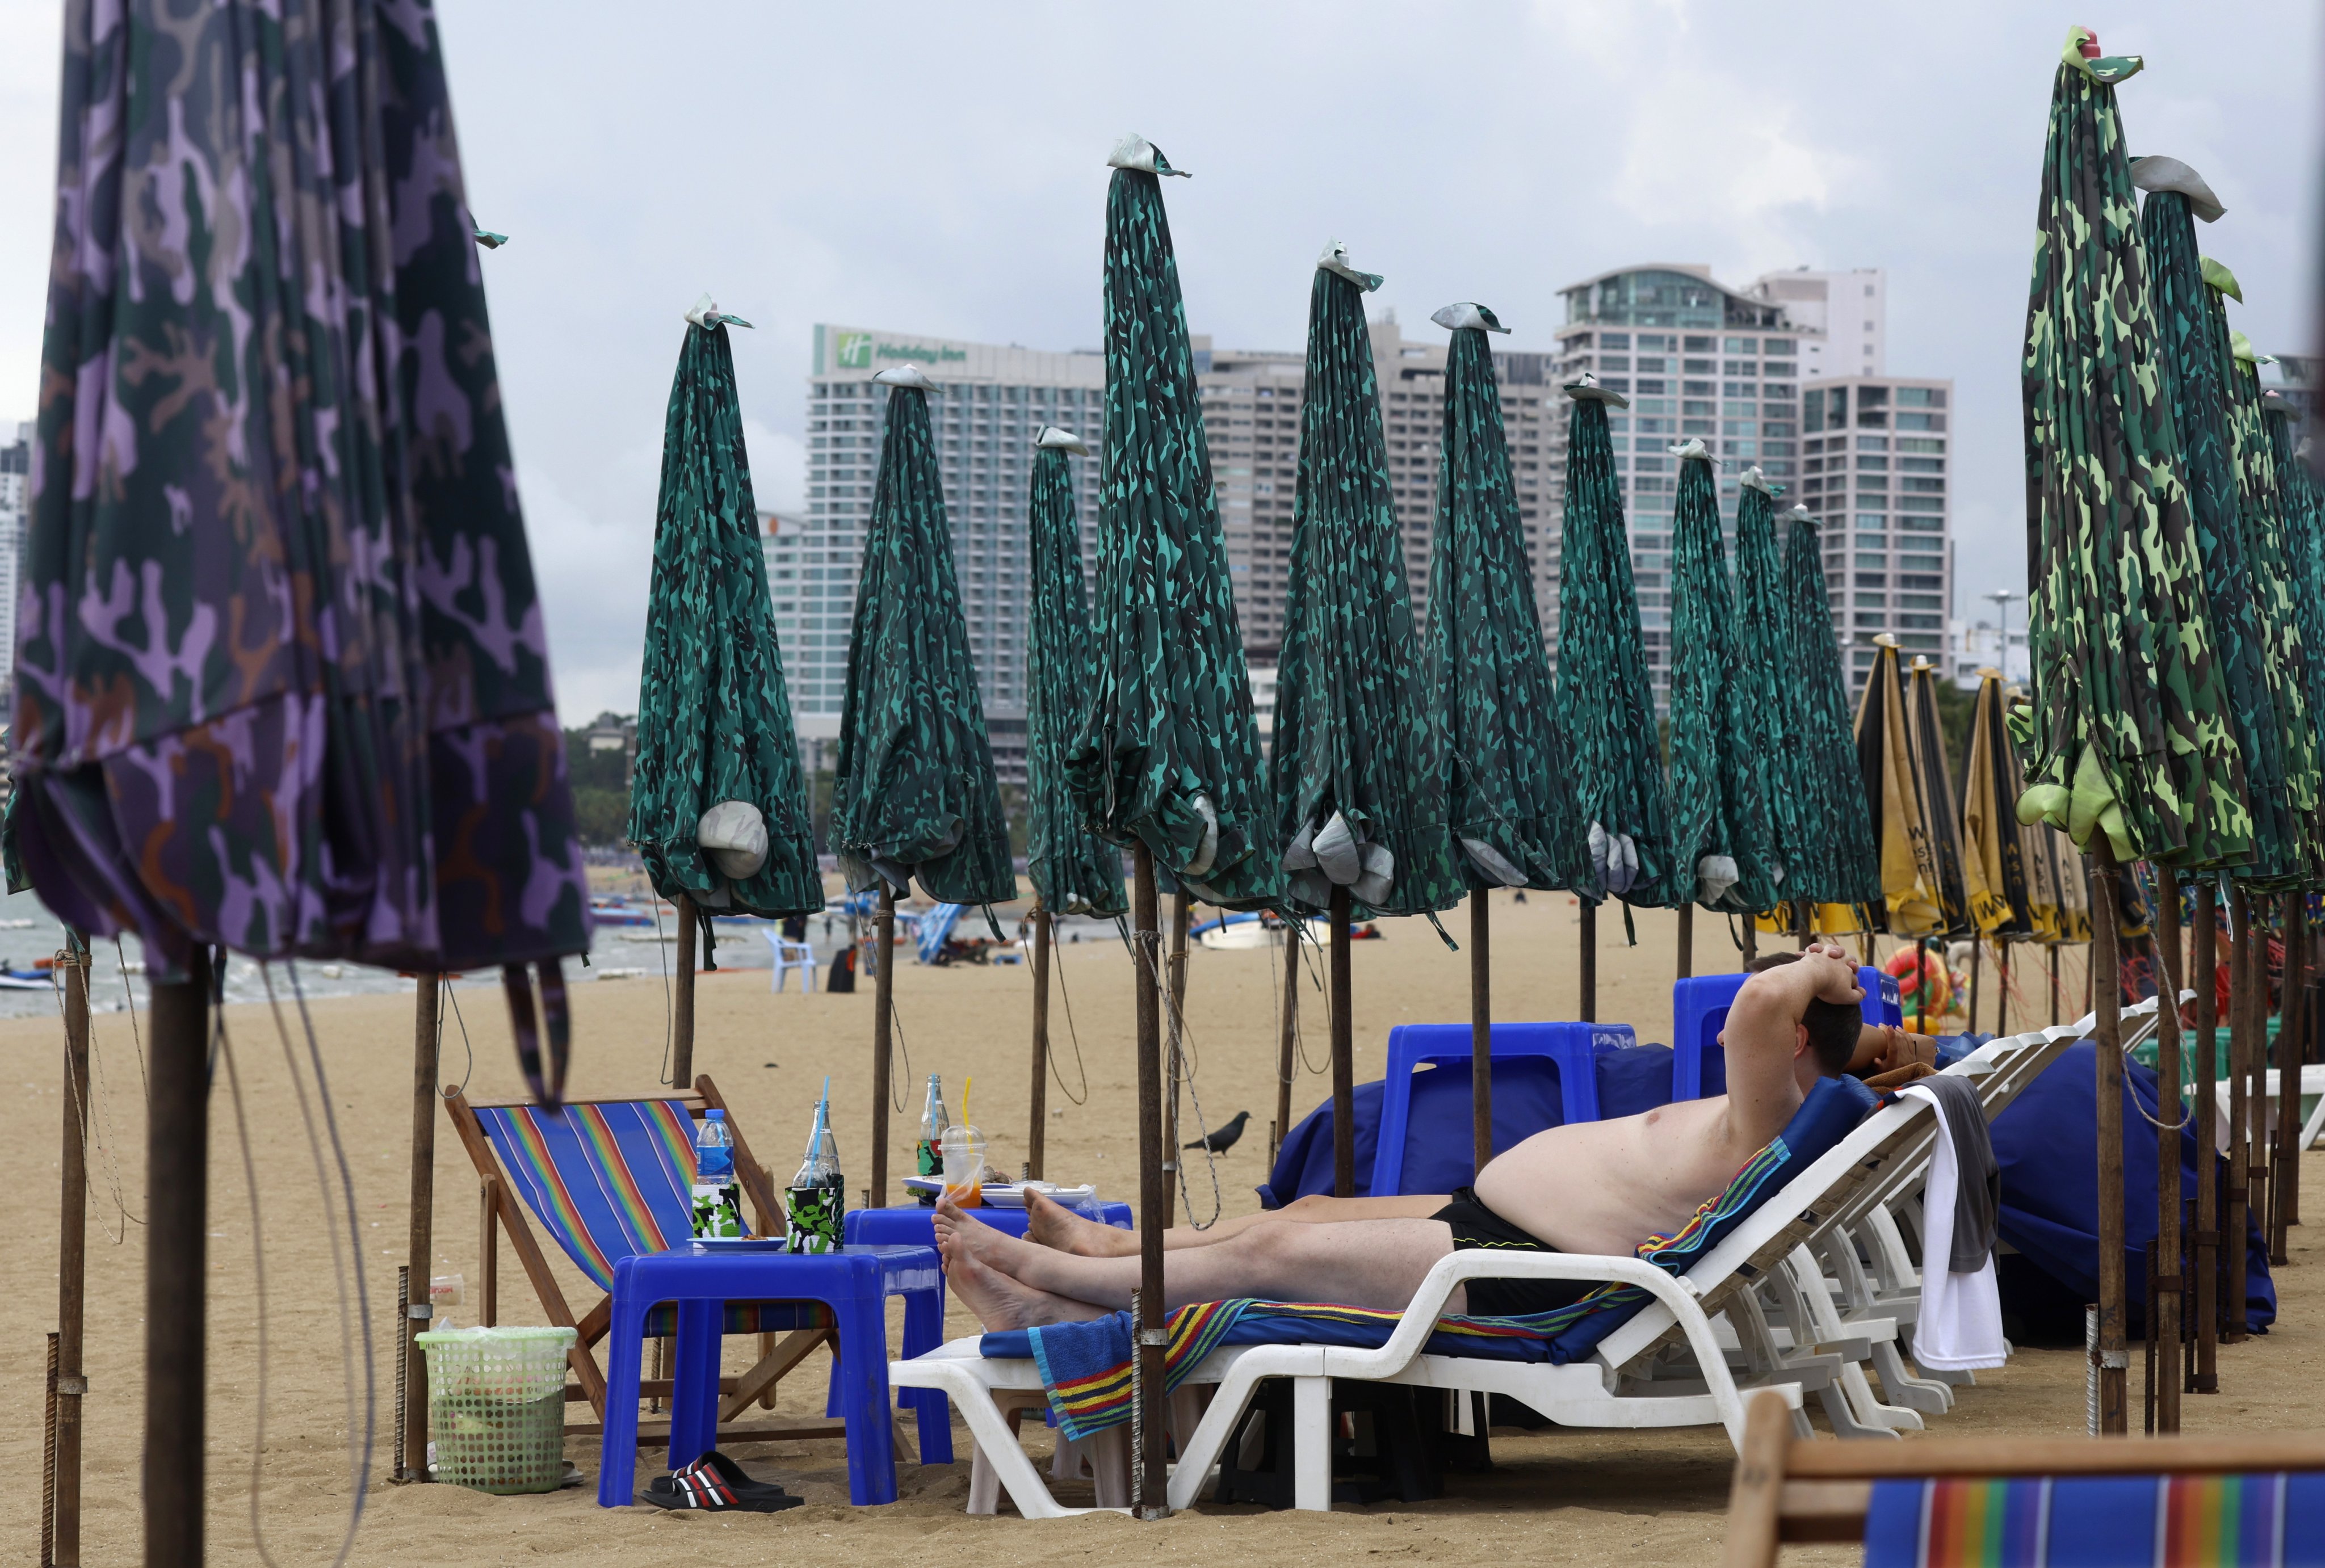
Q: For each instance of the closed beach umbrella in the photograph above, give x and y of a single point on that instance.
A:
(2286, 658)
(1933, 778)
(2126, 727)
(1604, 697)
(280, 679)
(1073, 871)
(2184, 289)
(1168, 761)
(915, 798)
(1837, 866)
(1509, 792)
(1772, 701)
(717, 809)
(1994, 857)
(1356, 772)
(1911, 906)
(2304, 541)
(1722, 848)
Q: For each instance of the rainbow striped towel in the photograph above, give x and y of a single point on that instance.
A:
(2043, 1522)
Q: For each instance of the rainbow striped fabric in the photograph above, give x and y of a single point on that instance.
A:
(2267, 1521)
(612, 1178)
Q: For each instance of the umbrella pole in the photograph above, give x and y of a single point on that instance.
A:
(1174, 1034)
(1481, 1030)
(2232, 1234)
(2054, 984)
(2167, 1291)
(2293, 1025)
(1977, 968)
(177, 1204)
(2114, 1359)
(1686, 940)
(420, 1244)
(1588, 1009)
(1286, 1045)
(1037, 1117)
(2204, 1239)
(1804, 921)
(1344, 1053)
(2001, 986)
(884, 981)
(1751, 940)
(681, 1027)
(1154, 1197)
(72, 1255)
(2253, 1131)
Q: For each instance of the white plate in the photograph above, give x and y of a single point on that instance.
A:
(1012, 1195)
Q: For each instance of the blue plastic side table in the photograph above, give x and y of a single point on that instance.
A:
(855, 1283)
(915, 1225)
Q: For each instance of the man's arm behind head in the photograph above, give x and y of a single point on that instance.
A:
(1833, 1027)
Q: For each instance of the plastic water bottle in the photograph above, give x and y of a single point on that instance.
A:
(717, 1199)
(818, 1199)
(928, 1153)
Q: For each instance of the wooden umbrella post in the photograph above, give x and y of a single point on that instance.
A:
(2001, 986)
(2293, 1025)
(1154, 1197)
(1587, 1007)
(1344, 1055)
(681, 1006)
(1174, 1028)
(1976, 949)
(1686, 939)
(1751, 941)
(2254, 1131)
(1804, 922)
(2115, 1361)
(2232, 1234)
(177, 1206)
(2204, 1235)
(2055, 984)
(1481, 1030)
(420, 1245)
(2164, 1291)
(1287, 1034)
(72, 1258)
(884, 983)
(1038, 1112)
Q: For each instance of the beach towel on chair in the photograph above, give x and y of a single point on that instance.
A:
(1085, 1367)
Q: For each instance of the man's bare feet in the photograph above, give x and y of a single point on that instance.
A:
(957, 1228)
(1002, 1303)
(1052, 1224)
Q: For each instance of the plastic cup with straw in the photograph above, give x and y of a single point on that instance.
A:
(964, 1157)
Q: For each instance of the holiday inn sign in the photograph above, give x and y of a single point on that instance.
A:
(861, 350)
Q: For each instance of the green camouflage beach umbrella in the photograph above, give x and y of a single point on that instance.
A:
(1604, 697)
(281, 683)
(1355, 769)
(914, 797)
(2193, 357)
(2286, 658)
(717, 809)
(1722, 849)
(2128, 725)
(1074, 872)
(1170, 753)
(2304, 541)
(1509, 787)
(1836, 862)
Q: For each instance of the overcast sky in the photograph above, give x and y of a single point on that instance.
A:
(940, 170)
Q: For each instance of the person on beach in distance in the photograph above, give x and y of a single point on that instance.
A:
(1598, 1187)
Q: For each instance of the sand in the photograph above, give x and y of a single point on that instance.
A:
(1555, 1497)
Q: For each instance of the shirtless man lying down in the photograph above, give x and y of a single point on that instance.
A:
(1596, 1188)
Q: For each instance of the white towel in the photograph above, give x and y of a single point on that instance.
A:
(1958, 1327)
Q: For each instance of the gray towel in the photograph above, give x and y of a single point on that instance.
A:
(1980, 1199)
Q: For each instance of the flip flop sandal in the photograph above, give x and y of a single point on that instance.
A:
(716, 1484)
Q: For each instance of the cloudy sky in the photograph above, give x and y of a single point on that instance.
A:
(939, 168)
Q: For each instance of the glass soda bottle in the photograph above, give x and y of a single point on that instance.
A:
(928, 1153)
(717, 1198)
(818, 1198)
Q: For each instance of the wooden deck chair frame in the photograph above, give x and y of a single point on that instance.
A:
(500, 1209)
(1788, 1490)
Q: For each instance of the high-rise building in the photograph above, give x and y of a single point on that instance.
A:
(1874, 452)
(991, 401)
(15, 469)
(1846, 315)
(1696, 359)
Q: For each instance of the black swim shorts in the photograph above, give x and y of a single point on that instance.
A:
(1475, 1225)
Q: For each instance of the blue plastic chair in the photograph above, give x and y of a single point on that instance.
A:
(1574, 1046)
(1700, 1007)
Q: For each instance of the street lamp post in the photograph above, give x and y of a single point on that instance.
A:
(2002, 598)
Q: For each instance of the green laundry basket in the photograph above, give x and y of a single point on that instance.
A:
(497, 1404)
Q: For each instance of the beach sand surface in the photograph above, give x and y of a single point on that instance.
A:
(1557, 1496)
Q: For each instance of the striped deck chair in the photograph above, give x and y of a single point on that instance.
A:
(1989, 1502)
(607, 1178)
